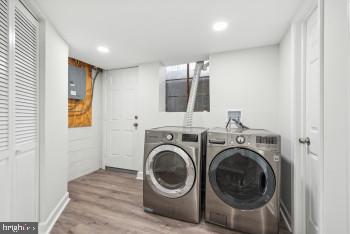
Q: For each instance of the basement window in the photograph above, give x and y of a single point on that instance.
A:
(178, 80)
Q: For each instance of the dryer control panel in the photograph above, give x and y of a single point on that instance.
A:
(189, 137)
(158, 137)
(172, 137)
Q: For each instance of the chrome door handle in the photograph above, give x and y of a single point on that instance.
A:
(305, 140)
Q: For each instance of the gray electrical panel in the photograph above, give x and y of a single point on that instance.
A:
(76, 82)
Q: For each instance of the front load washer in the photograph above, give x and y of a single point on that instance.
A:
(242, 180)
(173, 160)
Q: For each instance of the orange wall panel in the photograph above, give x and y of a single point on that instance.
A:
(80, 111)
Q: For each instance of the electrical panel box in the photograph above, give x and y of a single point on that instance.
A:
(76, 82)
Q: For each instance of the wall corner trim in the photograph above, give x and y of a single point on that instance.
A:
(46, 226)
(286, 216)
(139, 175)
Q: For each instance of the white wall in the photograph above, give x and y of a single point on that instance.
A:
(53, 124)
(235, 77)
(244, 80)
(336, 63)
(85, 144)
(285, 113)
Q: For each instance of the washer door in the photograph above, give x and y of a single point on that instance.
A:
(242, 178)
(170, 171)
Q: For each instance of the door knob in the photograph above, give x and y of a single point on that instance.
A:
(135, 125)
(305, 140)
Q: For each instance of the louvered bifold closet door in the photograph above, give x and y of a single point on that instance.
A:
(5, 178)
(25, 113)
(26, 65)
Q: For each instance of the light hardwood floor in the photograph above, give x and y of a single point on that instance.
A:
(111, 202)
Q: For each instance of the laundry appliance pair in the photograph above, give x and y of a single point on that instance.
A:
(232, 175)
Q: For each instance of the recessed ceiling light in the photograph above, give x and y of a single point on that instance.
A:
(220, 26)
(102, 49)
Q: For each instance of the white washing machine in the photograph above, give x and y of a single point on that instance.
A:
(172, 172)
(242, 180)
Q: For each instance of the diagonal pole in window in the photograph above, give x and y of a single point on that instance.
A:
(188, 81)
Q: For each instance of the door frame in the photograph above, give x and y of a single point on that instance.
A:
(299, 118)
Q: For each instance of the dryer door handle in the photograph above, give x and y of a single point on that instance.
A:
(262, 183)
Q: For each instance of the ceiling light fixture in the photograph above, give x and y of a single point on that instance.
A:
(102, 49)
(220, 26)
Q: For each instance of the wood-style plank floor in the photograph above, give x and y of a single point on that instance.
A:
(111, 202)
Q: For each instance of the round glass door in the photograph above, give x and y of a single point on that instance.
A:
(242, 178)
(170, 171)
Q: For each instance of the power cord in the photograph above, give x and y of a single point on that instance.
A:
(238, 123)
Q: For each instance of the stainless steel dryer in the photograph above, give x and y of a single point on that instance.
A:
(172, 172)
(243, 177)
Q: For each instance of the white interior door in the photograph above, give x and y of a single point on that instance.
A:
(121, 118)
(313, 123)
(18, 113)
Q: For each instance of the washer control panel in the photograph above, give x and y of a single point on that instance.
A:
(240, 140)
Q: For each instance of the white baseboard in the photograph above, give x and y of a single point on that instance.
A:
(286, 216)
(46, 226)
(139, 175)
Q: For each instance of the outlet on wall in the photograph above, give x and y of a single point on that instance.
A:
(234, 114)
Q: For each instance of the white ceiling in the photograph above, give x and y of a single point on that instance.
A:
(169, 31)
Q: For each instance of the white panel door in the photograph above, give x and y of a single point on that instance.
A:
(313, 159)
(25, 112)
(5, 172)
(121, 118)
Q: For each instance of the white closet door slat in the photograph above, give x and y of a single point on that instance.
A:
(26, 73)
(4, 76)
